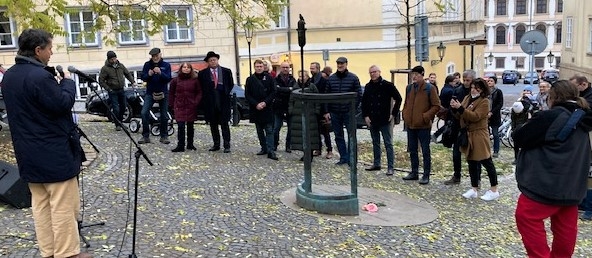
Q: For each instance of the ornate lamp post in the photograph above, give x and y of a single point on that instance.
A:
(249, 37)
(550, 58)
(441, 52)
(490, 58)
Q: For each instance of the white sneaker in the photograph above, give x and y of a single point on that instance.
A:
(490, 196)
(471, 193)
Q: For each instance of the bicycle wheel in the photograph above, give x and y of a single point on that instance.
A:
(155, 130)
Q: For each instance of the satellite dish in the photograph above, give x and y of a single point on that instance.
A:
(533, 42)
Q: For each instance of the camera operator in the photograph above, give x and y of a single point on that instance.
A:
(46, 143)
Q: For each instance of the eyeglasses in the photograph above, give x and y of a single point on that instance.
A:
(371, 72)
(285, 67)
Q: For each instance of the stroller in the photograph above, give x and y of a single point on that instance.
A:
(154, 116)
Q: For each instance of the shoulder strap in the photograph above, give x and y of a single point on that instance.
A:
(570, 125)
(428, 89)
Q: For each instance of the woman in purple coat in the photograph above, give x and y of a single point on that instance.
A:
(184, 97)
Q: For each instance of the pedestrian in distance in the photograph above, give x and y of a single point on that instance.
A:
(112, 78)
(157, 75)
(552, 170)
(421, 105)
(259, 92)
(496, 102)
(473, 113)
(185, 96)
(217, 83)
(381, 102)
(46, 143)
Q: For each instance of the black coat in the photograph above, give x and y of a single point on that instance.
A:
(377, 101)
(282, 93)
(296, 108)
(46, 143)
(496, 99)
(259, 90)
(208, 102)
(548, 170)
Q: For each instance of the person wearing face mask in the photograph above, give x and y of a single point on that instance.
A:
(473, 114)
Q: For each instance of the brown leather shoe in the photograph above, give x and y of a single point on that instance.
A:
(81, 255)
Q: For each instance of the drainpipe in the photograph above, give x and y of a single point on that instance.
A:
(289, 31)
(465, 34)
(236, 55)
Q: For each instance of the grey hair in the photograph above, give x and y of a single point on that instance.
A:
(375, 66)
(470, 73)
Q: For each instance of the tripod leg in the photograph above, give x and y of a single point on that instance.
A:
(81, 226)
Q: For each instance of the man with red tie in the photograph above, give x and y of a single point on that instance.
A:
(217, 82)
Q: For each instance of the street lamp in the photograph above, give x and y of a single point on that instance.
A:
(490, 58)
(550, 58)
(441, 52)
(249, 37)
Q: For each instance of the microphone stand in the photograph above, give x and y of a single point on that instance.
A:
(139, 153)
(80, 222)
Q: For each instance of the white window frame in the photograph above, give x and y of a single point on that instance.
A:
(83, 28)
(568, 31)
(11, 33)
(450, 69)
(589, 35)
(282, 22)
(452, 11)
(131, 32)
(177, 27)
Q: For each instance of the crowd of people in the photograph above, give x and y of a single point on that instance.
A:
(550, 129)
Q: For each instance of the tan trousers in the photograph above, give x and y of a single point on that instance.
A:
(55, 209)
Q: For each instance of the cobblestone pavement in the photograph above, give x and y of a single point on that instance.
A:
(213, 204)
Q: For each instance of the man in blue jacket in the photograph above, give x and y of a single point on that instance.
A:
(157, 75)
(46, 143)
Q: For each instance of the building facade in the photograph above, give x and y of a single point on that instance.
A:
(368, 32)
(185, 41)
(506, 21)
(577, 46)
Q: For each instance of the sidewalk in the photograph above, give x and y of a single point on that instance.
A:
(212, 204)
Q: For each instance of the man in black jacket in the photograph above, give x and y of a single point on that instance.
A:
(496, 101)
(459, 94)
(380, 104)
(46, 143)
(217, 82)
(259, 92)
(285, 82)
(321, 83)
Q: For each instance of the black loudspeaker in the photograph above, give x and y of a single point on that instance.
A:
(13, 190)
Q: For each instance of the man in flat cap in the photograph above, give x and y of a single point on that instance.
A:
(217, 82)
(338, 114)
(157, 75)
(112, 78)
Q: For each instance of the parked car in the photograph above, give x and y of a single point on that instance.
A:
(509, 77)
(516, 72)
(551, 75)
(133, 107)
(531, 78)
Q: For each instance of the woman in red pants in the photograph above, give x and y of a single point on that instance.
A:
(551, 171)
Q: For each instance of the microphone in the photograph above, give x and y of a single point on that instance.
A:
(60, 70)
(87, 77)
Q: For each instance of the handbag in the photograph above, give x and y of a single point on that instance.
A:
(157, 96)
(463, 137)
